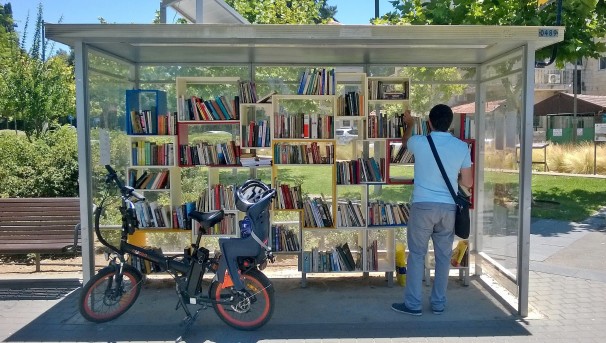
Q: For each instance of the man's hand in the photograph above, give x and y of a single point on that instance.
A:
(408, 119)
(409, 122)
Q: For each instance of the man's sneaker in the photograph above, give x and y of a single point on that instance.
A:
(401, 308)
(437, 311)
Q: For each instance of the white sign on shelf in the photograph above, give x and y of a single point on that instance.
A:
(104, 157)
(579, 131)
(600, 132)
(557, 132)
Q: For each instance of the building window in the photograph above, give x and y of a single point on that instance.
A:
(603, 63)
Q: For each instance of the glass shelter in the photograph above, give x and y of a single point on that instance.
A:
(445, 64)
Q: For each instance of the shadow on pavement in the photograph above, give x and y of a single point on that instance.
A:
(37, 289)
(328, 308)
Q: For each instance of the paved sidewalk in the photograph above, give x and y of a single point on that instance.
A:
(567, 288)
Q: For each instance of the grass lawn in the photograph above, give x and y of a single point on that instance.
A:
(576, 198)
(555, 197)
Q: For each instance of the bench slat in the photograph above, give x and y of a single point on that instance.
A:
(39, 200)
(37, 225)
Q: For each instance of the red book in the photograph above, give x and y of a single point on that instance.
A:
(251, 134)
(175, 220)
(217, 197)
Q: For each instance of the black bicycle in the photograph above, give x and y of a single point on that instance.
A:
(241, 295)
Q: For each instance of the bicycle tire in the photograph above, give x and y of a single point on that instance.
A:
(100, 301)
(247, 315)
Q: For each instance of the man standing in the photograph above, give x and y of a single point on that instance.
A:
(432, 213)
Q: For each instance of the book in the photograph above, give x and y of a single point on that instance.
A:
(267, 97)
(458, 253)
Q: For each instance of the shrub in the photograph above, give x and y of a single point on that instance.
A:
(44, 167)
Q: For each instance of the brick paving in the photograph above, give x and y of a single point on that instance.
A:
(567, 292)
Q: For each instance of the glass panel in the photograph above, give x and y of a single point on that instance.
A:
(107, 116)
(498, 223)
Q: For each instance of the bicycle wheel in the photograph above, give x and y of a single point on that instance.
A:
(249, 313)
(101, 300)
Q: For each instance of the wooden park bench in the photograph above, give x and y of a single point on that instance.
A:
(39, 226)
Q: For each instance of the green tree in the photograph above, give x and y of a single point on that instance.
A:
(284, 11)
(40, 167)
(8, 42)
(41, 90)
(584, 20)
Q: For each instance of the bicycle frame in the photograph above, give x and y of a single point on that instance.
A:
(193, 266)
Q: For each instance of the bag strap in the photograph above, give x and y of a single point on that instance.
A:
(439, 162)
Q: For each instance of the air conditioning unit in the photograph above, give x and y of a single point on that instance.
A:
(553, 78)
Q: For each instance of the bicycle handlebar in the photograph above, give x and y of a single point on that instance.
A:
(127, 191)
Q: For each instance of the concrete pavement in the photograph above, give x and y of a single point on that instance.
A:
(567, 291)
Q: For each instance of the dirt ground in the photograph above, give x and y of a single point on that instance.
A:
(16, 266)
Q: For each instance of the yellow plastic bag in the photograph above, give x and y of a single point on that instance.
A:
(401, 263)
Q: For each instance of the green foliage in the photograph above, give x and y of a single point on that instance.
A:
(44, 167)
(583, 19)
(33, 89)
(283, 11)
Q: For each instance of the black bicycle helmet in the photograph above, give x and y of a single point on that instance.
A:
(249, 194)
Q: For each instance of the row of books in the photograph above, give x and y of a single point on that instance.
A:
(383, 126)
(401, 155)
(181, 218)
(247, 91)
(388, 90)
(372, 256)
(361, 170)
(314, 126)
(146, 153)
(149, 179)
(317, 81)
(145, 266)
(350, 104)
(223, 228)
(382, 213)
(256, 134)
(209, 154)
(349, 214)
(317, 213)
(286, 153)
(284, 239)
(219, 108)
(288, 197)
(145, 123)
(152, 214)
(338, 259)
(218, 197)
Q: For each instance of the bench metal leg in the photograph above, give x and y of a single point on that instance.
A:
(37, 262)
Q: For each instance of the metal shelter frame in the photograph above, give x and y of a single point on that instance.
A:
(335, 45)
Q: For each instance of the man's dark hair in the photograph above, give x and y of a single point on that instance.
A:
(440, 117)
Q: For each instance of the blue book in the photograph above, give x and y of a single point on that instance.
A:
(377, 170)
(302, 83)
(211, 109)
(223, 108)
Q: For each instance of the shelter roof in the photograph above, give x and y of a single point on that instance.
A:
(471, 107)
(563, 103)
(304, 44)
(213, 11)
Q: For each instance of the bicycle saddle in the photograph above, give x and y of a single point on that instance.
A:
(207, 219)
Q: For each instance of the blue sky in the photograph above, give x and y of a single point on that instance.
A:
(143, 11)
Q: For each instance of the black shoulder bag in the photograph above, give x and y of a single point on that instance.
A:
(462, 222)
